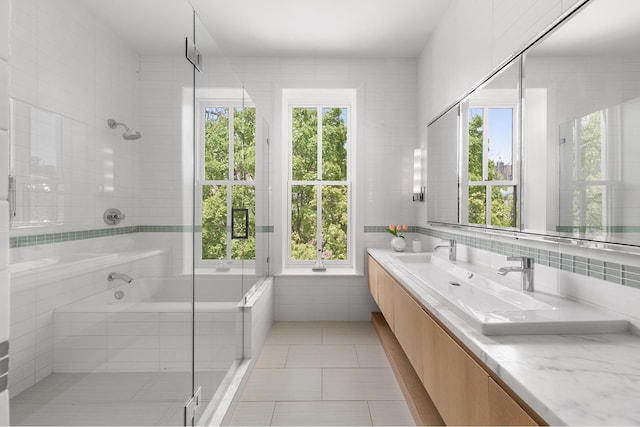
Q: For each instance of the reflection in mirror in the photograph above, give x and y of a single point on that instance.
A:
(582, 109)
(442, 169)
(489, 176)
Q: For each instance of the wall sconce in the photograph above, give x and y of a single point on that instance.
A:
(418, 189)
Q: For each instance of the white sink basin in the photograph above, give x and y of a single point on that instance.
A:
(496, 309)
(418, 258)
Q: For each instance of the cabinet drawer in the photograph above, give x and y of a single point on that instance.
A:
(503, 410)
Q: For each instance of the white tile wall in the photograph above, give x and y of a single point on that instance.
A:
(387, 98)
(4, 165)
(303, 298)
(69, 75)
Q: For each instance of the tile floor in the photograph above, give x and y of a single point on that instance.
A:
(134, 399)
(322, 373)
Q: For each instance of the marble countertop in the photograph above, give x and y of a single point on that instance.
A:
(590, 379)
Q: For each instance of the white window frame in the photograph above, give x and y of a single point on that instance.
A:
(231, 104)
(320, 98)
(486, 183)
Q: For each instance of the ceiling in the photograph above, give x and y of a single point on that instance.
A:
(354, 28)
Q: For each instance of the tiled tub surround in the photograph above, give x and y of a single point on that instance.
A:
(46, 277)
(566, 379)
(149, 329)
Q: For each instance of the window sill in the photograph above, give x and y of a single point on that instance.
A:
(329, 272)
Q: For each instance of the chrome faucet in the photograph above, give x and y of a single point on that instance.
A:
(452, 249)
(526, 269)
(119, 276)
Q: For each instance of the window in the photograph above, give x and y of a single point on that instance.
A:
(227, 182)
(590, 145)
(319, 184)
(491, 187)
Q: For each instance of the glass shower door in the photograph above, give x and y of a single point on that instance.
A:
(102, 305)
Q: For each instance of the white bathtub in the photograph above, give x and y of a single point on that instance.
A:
(173, 294)
(149, 328)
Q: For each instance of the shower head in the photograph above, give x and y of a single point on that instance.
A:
(129, 134)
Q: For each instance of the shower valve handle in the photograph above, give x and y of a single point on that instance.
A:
(113, 216)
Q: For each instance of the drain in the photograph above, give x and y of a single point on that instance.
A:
(454, 283)
(118, 294)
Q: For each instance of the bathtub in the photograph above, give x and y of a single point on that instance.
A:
(146, 326)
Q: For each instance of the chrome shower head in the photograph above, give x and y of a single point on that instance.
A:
(129, 134)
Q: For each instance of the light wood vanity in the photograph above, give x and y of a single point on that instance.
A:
(462, 388)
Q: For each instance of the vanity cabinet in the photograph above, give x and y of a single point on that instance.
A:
(503, 410)
(381, 286)
(462, 390)
(459, 386)
(409, 322)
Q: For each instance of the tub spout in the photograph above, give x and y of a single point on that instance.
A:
(119, 276)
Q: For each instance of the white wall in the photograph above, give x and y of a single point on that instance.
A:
(4, 219)
(69, 74)
(385, 141)
(472, 39)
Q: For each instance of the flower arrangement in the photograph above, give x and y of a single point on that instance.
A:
(396, 229)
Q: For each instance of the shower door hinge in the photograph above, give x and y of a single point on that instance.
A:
(193, 55)
(191, 408)
(268, 260)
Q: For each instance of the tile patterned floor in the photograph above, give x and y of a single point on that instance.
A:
(322, 373)
(132, 399)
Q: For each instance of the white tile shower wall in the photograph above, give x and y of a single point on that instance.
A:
(164, 83)
(69, 74)
(34, 299)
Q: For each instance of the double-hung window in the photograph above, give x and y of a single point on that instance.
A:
(319, 184)
(590, 144)
(491, 184)
(227, 183)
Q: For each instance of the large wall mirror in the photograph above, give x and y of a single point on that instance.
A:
(582, 126)
(442, 169)
(577, 90)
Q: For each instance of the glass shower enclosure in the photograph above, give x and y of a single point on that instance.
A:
(128, 267)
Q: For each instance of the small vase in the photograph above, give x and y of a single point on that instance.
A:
(398, 244)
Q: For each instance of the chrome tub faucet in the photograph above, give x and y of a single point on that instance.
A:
(119, 276)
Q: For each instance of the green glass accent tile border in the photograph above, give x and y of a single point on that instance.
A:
(609, 271)
(49, 238)
(384, 228)
(602, 229)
